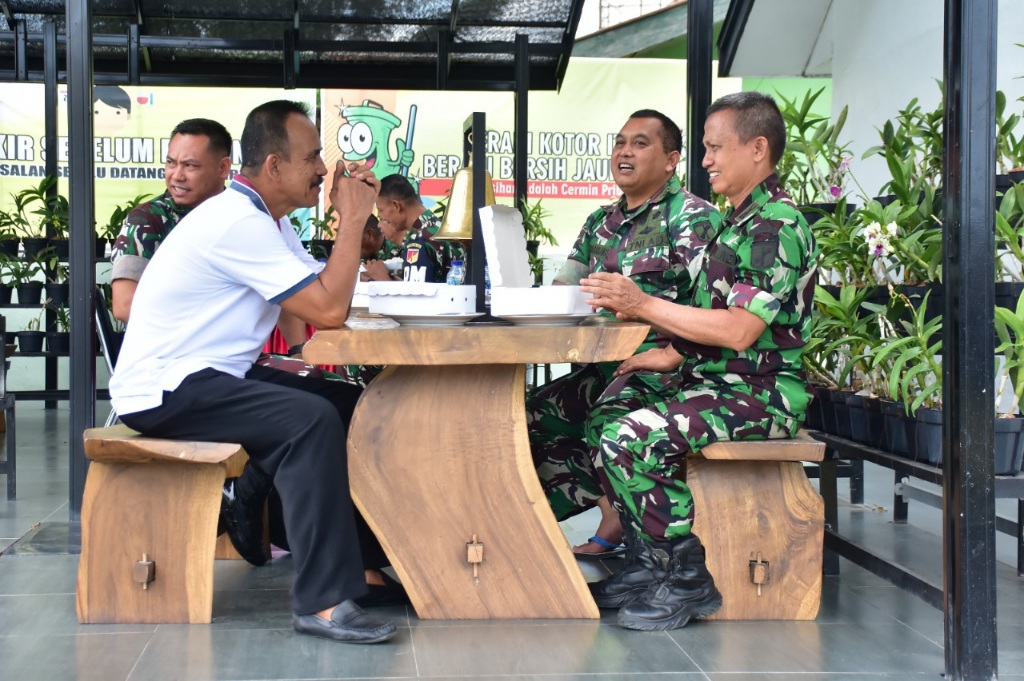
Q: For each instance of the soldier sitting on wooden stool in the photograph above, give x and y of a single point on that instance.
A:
(735, 366)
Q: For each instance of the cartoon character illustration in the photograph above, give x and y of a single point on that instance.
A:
(112, 108)
(365, 135)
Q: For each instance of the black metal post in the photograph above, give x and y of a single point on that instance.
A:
(967, 368)
(50, 134)
(522, 123)
(20, 49)
(134, 53)
(700, 34)
(83, 271)
(474, 152)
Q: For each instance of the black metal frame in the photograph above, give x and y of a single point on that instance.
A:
(699, 52)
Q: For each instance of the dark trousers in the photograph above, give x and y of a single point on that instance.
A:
(294, 429)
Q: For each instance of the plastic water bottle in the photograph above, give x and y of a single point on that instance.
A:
(487, 286)
(456, 274)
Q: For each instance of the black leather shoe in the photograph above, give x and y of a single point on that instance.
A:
(348, 624)
(243, 520)
(380, 595)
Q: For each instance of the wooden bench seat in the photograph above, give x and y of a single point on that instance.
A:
(149, 527)
(760, 521)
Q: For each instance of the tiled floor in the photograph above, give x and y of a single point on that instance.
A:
(866, 628)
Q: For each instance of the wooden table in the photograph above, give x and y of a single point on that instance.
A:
(440, 463)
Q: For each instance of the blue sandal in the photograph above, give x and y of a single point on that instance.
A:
(611, 550)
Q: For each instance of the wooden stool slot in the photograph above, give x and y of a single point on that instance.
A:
(762, 525)
(149, 526)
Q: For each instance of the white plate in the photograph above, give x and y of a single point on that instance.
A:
(454, 319)
(547, 319)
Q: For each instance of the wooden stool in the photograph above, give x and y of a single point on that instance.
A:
(762, 525)
(149, 527)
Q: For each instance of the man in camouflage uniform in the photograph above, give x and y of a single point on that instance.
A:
(409, 230)
(654, 235)
(737, 354)
(197, 164)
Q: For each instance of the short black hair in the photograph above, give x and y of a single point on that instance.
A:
(757, 115)
(399, 188)
(265, 132)
(112, 95)
(220, 138)
(671, 137)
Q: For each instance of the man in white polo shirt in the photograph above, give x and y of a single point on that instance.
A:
(210, 297)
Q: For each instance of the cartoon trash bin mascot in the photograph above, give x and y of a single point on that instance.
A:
(364, 138)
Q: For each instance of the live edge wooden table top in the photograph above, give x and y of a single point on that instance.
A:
(440, 463)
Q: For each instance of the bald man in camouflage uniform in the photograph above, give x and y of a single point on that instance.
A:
(737, 360)
(654, 235)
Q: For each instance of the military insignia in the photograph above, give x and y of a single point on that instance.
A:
(412, 253)
(762, 253)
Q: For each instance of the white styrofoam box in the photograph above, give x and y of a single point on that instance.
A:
(361, 296)
(505, 245)
(542, 300)
(418, 298)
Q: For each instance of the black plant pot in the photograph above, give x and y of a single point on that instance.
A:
(1004, 182)
(838, 398)
(31, 341)
(34, 246)
(929, 436)
(813, 420)
(58, 341)
(909, 422)
(100, 248)
(321, 248)
(5, 294)
(875, 422)
(9, 247)
(30, 293)
(858, 418)
(58, 294)
(61, 249)
(828, 414)
(895, 435)
(10, 337)
(1009, 450)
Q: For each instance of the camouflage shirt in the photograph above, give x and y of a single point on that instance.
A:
(658, 245)
(764, 261)
(426, 259)
(143, 231)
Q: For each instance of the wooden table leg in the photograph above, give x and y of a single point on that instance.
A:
(439, 458)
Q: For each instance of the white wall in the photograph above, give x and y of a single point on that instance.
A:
(890, 52)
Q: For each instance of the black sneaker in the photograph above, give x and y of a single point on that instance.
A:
(243, 522)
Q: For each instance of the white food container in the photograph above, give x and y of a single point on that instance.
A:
(512, 291)
(543, 300)
(420, 299)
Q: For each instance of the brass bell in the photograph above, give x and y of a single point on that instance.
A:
(457, 222)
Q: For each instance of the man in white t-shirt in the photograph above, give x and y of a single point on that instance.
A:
(210, 297)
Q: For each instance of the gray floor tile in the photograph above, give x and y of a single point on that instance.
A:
(36, 574)
(52, 615)
(206, 653)
(808, 647)
(552, 648)
(789, 676)
(652, 676)
(100, 657)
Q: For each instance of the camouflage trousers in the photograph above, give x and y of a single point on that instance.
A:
(645, 424)
(556, 417)
(358, 375)
(556, 420)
